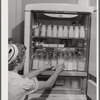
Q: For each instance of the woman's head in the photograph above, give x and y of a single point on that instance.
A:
(16, 56)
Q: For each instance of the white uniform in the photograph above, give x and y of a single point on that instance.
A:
(19, 87)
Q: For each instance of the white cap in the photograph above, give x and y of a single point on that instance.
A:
(12, 52)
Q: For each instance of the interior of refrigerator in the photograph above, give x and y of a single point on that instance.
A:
(60, 37)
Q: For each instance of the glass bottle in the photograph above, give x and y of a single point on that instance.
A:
(60, 58)
(76, 33)
(36, 28)
(60, 31)
(46, 59)
(41, 61)
(35, 61)
(54, 31)
(43, 30)
(65, 31)
(82, 32)
(66, 60)
(75, 64)
(54, 60)
(36, 31)
(70, 61)
(81, 62)
(71, 31)
(49, 31)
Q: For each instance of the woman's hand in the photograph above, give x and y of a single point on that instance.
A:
(48, 65)
(60, 67)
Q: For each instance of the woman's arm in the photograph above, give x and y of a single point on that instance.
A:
(38, 71)
(52, 79)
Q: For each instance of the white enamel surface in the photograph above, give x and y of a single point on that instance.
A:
(59, 7)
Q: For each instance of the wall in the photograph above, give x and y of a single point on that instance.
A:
(11, 16)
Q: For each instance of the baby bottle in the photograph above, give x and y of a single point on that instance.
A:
(66, 60)
(60, 58)
(54, 31)
(43, 30)
(76, 33)
(71, 31)
(65, 31)
(75, 62)
(36, 31)
(70, 61)
(82, 32)
(54, 60)
(36, 28)
(35, 61)
(60, 31)
(49, 31)
(81, 62)
(46, 59)
(41, 61)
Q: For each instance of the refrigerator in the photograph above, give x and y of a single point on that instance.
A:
(60, 33)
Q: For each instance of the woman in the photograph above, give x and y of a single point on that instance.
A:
(21, 85)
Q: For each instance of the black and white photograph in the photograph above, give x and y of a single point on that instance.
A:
(52, 50)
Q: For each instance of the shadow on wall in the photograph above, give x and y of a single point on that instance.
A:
(18, 33)
(18, 36)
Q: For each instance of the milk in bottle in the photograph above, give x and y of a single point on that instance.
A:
(36, 31)
(82, 31)
(49, 31)
(65, 31)
(81, 62)
(46, 60)
(60, 58)
(70, 62)
(54, 31)
(71, 31)
(66, 63)
(75, 63)
(43, 30)
(76, 32)
(41, 61)
(54, 60)
(60, 31)
(35, 62)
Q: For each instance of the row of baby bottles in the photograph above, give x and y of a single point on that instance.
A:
(40, 59)
(60, 31)
(71, 60)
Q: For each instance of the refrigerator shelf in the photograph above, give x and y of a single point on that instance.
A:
(56, 95)
(66, 73)
(45, 37)
(72, 48)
